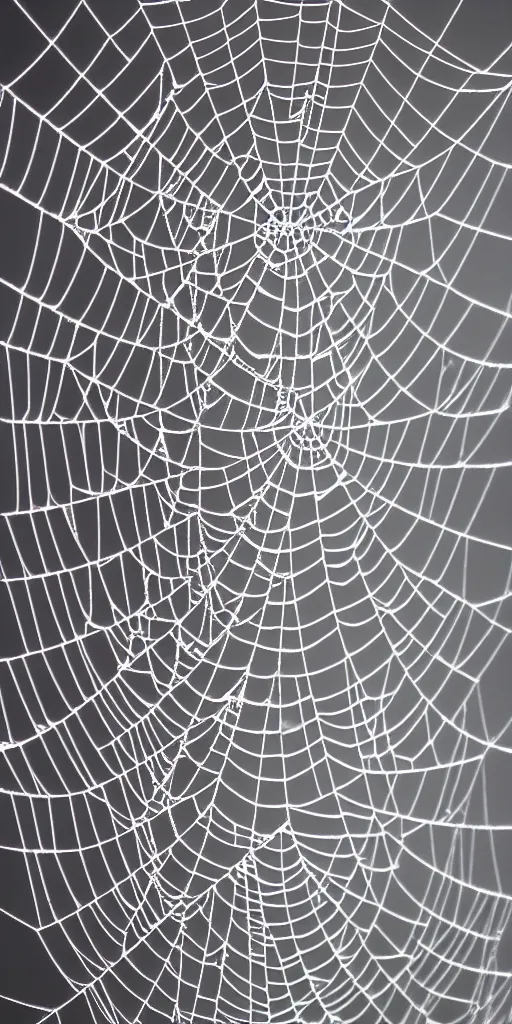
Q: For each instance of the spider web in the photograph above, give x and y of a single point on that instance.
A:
(256, 702)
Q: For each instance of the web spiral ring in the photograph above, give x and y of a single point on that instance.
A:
(256, 712)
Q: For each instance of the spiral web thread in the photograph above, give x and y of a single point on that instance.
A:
(256, 713)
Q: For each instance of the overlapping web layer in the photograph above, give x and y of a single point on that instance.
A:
(256, 708)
